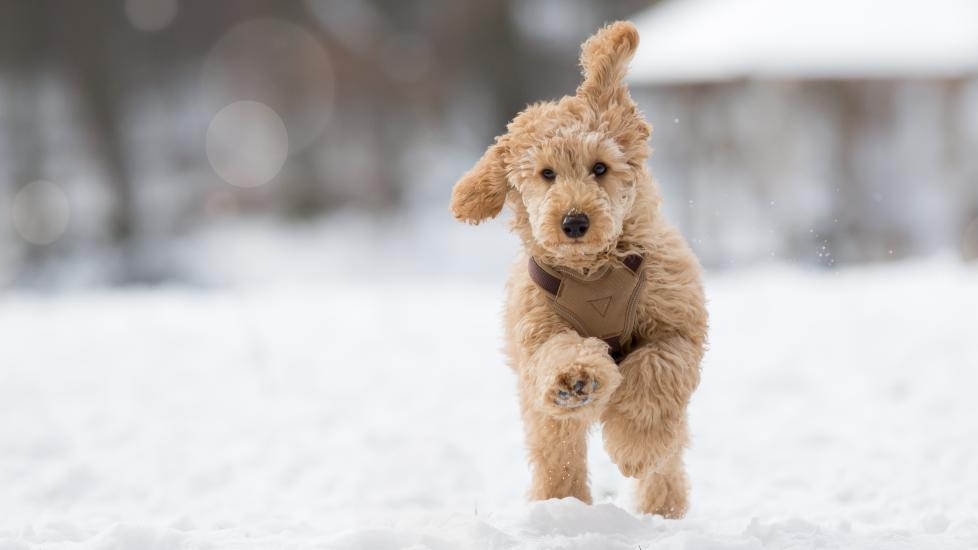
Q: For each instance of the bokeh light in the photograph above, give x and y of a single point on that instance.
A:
(278, 63)
(151, 15)
(247, 143)
(40, 212)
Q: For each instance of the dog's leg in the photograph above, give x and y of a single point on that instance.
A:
(645, 420)
(666, 491)
(565, 383)
(558, 454)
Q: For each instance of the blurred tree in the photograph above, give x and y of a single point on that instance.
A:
(407, 76)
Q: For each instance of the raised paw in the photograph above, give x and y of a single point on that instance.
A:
(575, 389)
(574, 376)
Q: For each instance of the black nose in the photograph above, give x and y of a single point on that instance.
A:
(574, 225)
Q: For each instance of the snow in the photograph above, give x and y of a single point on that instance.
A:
(716, 40)
(837, 410)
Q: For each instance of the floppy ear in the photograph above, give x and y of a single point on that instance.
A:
(604, 60)
(481, 192)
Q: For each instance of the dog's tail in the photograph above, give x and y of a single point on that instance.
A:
(604, 60)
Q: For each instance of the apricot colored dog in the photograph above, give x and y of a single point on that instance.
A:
(586, 208)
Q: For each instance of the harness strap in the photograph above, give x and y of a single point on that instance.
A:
(544, 280)
(634, 262)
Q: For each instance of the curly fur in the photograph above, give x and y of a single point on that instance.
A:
(642, 402)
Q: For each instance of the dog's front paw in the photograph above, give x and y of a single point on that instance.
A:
(575, 389)
(585, 376)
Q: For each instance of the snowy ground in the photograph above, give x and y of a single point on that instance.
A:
(837, 410)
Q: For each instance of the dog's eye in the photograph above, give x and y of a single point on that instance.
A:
(599, 169)
(548, 174)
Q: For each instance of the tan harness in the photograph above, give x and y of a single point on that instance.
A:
(600, 305)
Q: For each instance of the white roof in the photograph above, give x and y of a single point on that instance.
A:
(685, 41)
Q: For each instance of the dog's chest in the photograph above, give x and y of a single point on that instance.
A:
(601, 305)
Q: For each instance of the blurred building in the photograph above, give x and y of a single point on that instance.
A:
(829, 131)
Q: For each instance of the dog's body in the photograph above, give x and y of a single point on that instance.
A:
(574, 174)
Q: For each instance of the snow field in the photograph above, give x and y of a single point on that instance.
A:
(836, 410)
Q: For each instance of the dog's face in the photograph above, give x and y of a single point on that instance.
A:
(569, 169)
(575, 186)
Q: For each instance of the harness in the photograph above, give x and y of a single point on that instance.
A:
(601, 305)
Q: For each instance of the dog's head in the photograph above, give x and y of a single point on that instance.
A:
(570, 170)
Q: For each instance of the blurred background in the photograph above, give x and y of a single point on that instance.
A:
(236, 312)
(151, 141)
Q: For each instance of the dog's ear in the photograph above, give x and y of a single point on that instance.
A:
(481, 192)
(604, 60)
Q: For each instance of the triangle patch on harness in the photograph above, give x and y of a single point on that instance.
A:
(601, 305)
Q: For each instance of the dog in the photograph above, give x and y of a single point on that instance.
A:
(605, 313)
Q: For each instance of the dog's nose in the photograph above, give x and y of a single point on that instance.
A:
(574, 225)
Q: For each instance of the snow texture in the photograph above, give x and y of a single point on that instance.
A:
(715, 40)
(837, 410)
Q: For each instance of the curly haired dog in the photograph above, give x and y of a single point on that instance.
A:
(605, 319)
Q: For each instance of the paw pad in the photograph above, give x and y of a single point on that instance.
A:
(575, 390)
